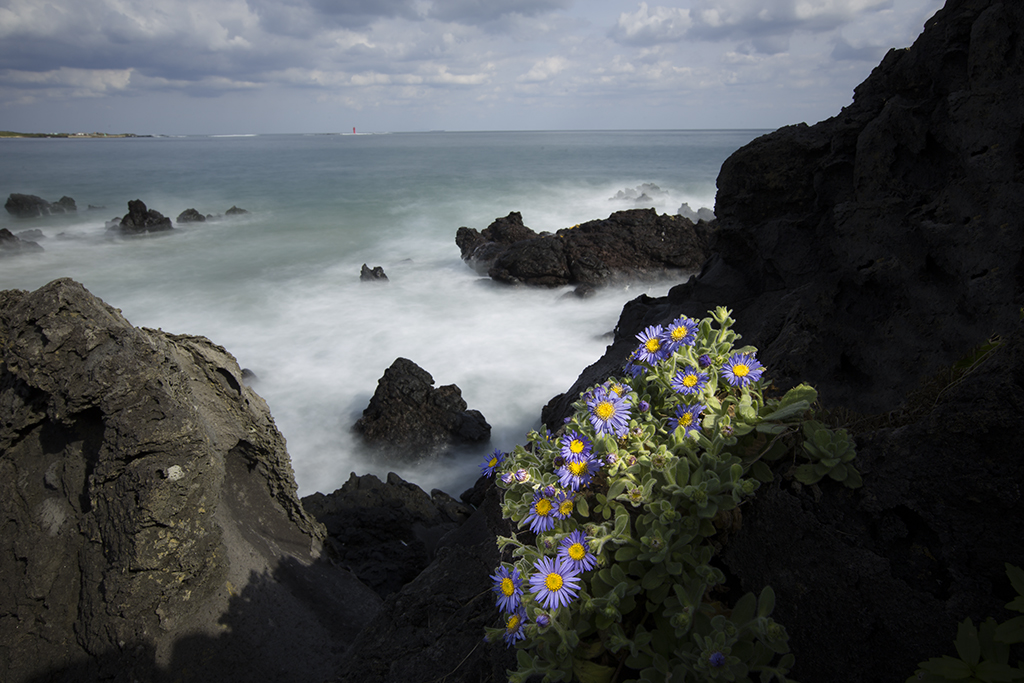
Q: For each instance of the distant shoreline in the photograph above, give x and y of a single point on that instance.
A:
(74, 136)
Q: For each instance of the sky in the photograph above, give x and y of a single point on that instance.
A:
(180, 67)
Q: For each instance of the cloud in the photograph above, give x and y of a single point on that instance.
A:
(765, 25)
(544, 70)
(485, 11)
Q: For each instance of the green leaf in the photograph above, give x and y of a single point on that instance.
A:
(996, 672)
(947, 667)
(583, 507)
(800, 393)
(766, 602)
(743, 610)
(787, 412)
(806, 474)
(853, 478)
(762, 472)
(967, 644)
(838, 472)
(626, 553)
(1016, 575)
(1011, 631)
(587, 671)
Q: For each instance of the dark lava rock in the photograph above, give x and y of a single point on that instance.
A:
(634, 244)
(151, 527)
(408, 418)
(432, 629)
(140, 220)
(375, 274)
(11, 244)
(190, 216)
(235, 211)
(866, 255)
(385, 533)
(30, 206)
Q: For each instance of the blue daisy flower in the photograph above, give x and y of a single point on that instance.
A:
(514, 626)
(576, 471)
(681, 332)
(574, 550)
(564, 505)
(575, 445)
(609, 414)
(652, 346)
(689, 381)
(741, 369)
(492, 463)
(541, 518)
(509, 587)
(687, 417)
(554, 582)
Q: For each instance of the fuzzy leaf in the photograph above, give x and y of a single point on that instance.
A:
(626, 553)
(806, 474)
(591, 672)
(743, 611)
(967, 644)
(766, 602)
(582, 507)
(795, 409)
(947, 667)
(762, 472)
(996, 672)
(838, 472)
(1011, 631)
(1016, 575)
(853, 478)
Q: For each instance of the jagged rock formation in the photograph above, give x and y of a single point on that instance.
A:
(30, 206)
(140, 220)
(634, 244)
(375, 274)
(190, 216)
(151, 524)
(408, 418)
(865, 254)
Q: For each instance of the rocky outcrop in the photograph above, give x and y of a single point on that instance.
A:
(386, 533)
(30, 206)
(634, 244)
(152, 529)
(190, 216)
(235, 211)
(12, 244)
(141, 220)
(409, 419)
(375, 274)
(867, 255)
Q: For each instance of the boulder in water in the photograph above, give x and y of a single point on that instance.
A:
(30, 206)
(141, 220)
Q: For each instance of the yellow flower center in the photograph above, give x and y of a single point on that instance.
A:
(576, 446)
(577, 469)
(553, 581)
(686, 419)
(507, 587)
(679, 333)
(740, 370)
(652, 345)
(604, 410)
(543, 507)
(512, 624)
(576, 552)
(690, 381)
(617, 389)
(493, 462)
(565, 508)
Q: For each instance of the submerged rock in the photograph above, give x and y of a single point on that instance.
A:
(409, 419)
(152, 527)
(190, 216)
(12, 244)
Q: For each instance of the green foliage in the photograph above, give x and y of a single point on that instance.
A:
(984, 654)
(666, 495)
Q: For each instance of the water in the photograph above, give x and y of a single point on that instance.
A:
(280, 289)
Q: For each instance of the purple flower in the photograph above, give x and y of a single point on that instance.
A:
(716, 659)
(689, 381)
(575, 445)
(609, 414)
(509, 587)
(652, 348)
(514, 626)
(741, 369)
(576, 472)
(489, 466)
(574, 550)
(704, 361)
(540, 518)
(681, 332)
(554, 583)
(564, 504)
(687, 417)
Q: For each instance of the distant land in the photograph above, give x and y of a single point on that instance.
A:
(12, 134)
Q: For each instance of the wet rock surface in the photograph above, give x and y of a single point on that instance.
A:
(31, 206)
(140, 220)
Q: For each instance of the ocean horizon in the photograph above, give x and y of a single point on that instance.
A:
(279, 286)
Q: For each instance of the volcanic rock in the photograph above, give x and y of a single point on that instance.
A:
(12, 244)
(375, 274)
(30, 206)
(152, 529)
(634, 244)
(140, 220)
(385, 533)
(235, 211)
(408, 418)
(190, 216)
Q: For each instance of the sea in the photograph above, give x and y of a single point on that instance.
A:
(279, 287)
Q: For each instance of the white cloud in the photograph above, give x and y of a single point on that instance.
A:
(664, 24)
(544, 70)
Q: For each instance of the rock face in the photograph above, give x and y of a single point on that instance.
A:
(140, 220)
(30, 206)
(375, 274)
(12, 244)
(865, 254)
(190, 216)
(152, 529)
(408, 418)
(385, 532)
(638, 243)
